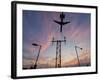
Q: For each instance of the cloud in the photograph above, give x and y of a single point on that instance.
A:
(46, 36)
(42, 30)
(84, 58)
(28, 63)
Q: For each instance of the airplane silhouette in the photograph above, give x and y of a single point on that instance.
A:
(61, 23)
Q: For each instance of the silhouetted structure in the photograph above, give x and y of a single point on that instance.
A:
(61, 22)
(35, 66)
(59, 42)
(58, 51)
(77, 54)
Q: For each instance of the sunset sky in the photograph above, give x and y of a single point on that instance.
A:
(39, 28)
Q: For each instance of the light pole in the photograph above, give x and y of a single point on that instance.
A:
(34, 44)
(77, 54)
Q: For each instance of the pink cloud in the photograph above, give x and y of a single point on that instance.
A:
(47, 33)
(84, 58)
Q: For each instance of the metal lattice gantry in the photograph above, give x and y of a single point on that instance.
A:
(58, 51)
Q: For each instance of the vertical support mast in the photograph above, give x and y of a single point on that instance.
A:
(77, 56)
(56, 54)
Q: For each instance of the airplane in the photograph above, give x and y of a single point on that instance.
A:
(62, 17)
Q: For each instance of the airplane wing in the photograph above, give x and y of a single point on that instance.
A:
(57, 22)
(65, 22)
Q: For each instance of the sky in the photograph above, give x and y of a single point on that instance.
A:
(39, 28)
